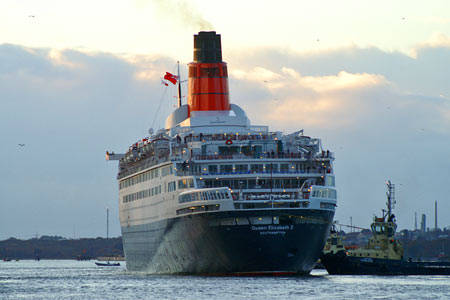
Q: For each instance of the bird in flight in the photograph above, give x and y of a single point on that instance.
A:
(31, 16)
(21, 145)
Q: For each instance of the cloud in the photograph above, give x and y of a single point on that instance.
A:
(437, 40)
(344, 100)
(423, 73)
(313, 99)
(341, 81)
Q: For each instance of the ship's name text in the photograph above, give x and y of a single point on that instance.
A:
(272, 227)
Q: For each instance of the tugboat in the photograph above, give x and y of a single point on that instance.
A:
(383, 254)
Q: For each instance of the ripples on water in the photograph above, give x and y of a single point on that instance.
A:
(84, 280)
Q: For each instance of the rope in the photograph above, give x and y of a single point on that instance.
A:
(159, 106)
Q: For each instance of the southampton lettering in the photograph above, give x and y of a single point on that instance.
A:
(273, 229)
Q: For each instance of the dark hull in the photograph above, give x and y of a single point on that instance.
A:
(107, 264)
(197, 244)
(341, 264)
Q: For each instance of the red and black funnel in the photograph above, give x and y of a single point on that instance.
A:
(208, 75)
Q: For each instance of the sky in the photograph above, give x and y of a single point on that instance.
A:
(78, 78)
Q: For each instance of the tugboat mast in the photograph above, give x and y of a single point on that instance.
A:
(390, 198)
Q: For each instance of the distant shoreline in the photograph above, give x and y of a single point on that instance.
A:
(57, 248)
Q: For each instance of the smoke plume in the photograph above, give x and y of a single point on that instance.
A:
(182, 12)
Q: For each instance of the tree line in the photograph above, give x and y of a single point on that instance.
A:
(60, 248)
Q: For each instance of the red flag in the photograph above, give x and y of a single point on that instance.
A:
(170, 77)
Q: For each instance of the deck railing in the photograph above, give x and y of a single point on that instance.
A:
(293, 172)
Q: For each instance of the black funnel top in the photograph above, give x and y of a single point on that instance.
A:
(207, 47)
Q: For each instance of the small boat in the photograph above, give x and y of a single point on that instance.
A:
(382, 256)
(107, 264)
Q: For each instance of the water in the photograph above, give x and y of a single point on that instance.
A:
(84, 280)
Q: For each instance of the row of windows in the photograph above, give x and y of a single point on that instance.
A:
(149, 175)
(254, 168)
(327, 205)
(284, 183)
(266, 220)
(242, 149)
(139, 178)
(324, 193)
(367, 254)
(171, 186)
(142, 194)
(198, 209)
(269, 204)
(204, 196)
(267, 196)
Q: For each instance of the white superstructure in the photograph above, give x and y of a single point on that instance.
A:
(239, 165)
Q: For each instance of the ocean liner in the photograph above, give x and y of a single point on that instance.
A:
(212, 194)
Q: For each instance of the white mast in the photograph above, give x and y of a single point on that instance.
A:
(107, 223)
